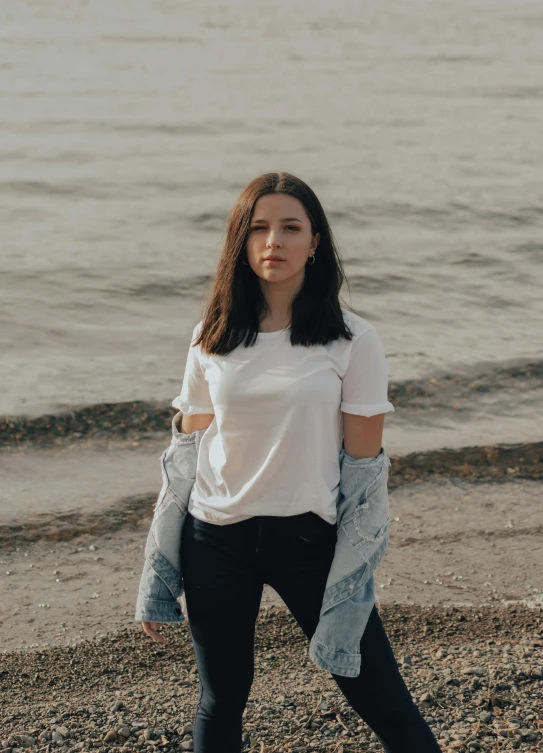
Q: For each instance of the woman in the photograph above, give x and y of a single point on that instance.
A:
(280, 376)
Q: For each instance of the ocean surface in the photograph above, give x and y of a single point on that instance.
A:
(128, 130)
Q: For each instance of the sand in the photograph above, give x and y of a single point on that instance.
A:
(452, 542)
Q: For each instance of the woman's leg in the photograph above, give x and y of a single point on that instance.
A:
(223, 593)
(379, 694)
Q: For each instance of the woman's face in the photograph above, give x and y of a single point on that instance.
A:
(281, 227)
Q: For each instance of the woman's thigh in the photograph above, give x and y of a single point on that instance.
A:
(296, 559)
(222, 594)
(379, 694)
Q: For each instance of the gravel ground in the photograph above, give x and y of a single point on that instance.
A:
(476, 674)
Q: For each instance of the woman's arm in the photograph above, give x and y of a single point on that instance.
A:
(197, 421)
(362, 435)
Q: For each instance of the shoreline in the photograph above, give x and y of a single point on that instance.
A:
(86, 510)
(135, 419)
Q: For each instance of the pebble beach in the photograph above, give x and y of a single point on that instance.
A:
(476, 674)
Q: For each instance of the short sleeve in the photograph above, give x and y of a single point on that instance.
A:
(194, 397)
(365, 383)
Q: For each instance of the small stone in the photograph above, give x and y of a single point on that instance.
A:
(27, 741)
(426, 699)
(110, 736)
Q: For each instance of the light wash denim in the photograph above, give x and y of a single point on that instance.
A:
(362, 539)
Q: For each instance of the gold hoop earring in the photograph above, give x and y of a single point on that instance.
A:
(311, 262)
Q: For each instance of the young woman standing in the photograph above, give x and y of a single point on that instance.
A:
(281, 377)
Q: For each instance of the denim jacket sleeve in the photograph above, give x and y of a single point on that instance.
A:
(161, 581)
(362, 538)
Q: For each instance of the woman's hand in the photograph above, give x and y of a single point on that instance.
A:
(151, 628)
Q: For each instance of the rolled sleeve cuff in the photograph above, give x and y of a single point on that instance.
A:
(367, 410)
(157, 610)
(190, 410)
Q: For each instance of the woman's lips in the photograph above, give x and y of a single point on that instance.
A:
(274, 262)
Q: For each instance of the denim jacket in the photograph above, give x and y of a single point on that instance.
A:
(349, 596)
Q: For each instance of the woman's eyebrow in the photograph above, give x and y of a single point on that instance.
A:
(283, 219)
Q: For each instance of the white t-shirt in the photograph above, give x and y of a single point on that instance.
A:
(273, 446)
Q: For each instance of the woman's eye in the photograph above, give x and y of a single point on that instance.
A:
(289, 227)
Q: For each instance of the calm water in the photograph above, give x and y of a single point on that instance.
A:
(128, 129)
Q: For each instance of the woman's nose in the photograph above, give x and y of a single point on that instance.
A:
(273, 240)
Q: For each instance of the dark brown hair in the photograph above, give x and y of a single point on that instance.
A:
(233, 315)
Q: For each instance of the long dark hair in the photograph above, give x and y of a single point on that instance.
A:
(233, 314)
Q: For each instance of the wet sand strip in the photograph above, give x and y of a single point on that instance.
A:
(488, 467)
(129, 513)
(137, 419)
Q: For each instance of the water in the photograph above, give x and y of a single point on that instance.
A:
(129, 129)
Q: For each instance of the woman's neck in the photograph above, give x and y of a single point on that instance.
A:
(274, 324)
(279, 297)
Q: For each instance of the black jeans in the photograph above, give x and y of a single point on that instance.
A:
(224, 569)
